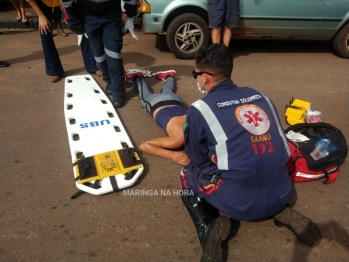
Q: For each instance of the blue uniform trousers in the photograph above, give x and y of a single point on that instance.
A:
(87, 56)
(238, 198)
(105, 37)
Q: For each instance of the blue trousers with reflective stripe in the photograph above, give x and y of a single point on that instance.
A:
(104, 32)
(87, 56)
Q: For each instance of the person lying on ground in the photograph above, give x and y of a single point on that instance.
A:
(168, 112)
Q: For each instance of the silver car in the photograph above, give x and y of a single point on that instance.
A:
(185, 22)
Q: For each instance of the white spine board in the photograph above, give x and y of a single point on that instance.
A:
(93, 127)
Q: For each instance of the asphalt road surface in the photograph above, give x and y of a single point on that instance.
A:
(39, 221)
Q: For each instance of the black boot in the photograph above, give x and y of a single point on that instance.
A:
(108, 90)
(212, 228)
(118, 101)
(4, 64)
(304, 228)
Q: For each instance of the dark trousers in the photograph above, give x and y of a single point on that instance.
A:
(52, 61)
(87, 55)
(105, 37)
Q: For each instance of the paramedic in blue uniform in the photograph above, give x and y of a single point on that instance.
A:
(238, 153)
(102, 23)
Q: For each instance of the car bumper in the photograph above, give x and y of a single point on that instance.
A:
(151, 23)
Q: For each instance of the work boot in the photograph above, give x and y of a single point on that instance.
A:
(118, 102)
(211, 242)
(108, 90)
(212, 229)
(304, 228)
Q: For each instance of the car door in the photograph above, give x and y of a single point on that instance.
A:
(294, 19)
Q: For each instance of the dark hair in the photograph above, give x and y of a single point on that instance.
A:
(216, 59)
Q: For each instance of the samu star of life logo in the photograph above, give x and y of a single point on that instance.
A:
(253, 119)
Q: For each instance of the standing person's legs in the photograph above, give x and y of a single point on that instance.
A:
(22, 8)
(53, 63)
(216, 35)
(215, 10)
(232, 15)
(19, 6)
(15, 3)
(227, 34)
(87, 56)
(112, 40)
(93, 28)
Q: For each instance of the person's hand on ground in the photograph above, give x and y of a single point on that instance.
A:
(181, 158)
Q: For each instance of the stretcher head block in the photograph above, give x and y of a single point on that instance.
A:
(107, 164)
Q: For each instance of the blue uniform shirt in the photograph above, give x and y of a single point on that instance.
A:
(236, 132)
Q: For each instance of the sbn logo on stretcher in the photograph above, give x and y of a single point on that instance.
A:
(95, 123)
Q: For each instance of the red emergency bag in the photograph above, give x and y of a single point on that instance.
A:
(302, 166)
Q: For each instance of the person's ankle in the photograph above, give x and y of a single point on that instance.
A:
(136, 78)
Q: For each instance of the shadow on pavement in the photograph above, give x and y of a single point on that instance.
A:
(245, 47)
(332, 232)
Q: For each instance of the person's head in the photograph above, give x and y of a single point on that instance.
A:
(213, 64)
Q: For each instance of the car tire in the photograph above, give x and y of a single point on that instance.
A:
(186, 34)
(341, 42)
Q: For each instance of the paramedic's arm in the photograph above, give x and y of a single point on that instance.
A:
(44, 23)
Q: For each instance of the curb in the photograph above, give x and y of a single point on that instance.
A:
(31, 24)
(11, 24)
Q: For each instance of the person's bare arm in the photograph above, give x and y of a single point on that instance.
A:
(44, 23)
(161, 147)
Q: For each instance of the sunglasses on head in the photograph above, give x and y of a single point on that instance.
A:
(196, 74)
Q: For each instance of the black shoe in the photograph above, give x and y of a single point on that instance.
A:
(61, 32)
(217, 231)
(3, 64)
(118, 102)
(304, 228)
(108, 90)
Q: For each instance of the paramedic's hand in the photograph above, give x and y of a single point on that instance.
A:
(44, 25)
(80, 38)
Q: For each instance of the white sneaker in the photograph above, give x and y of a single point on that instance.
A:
(145, 73)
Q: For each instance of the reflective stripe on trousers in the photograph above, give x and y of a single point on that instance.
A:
(105, 37)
